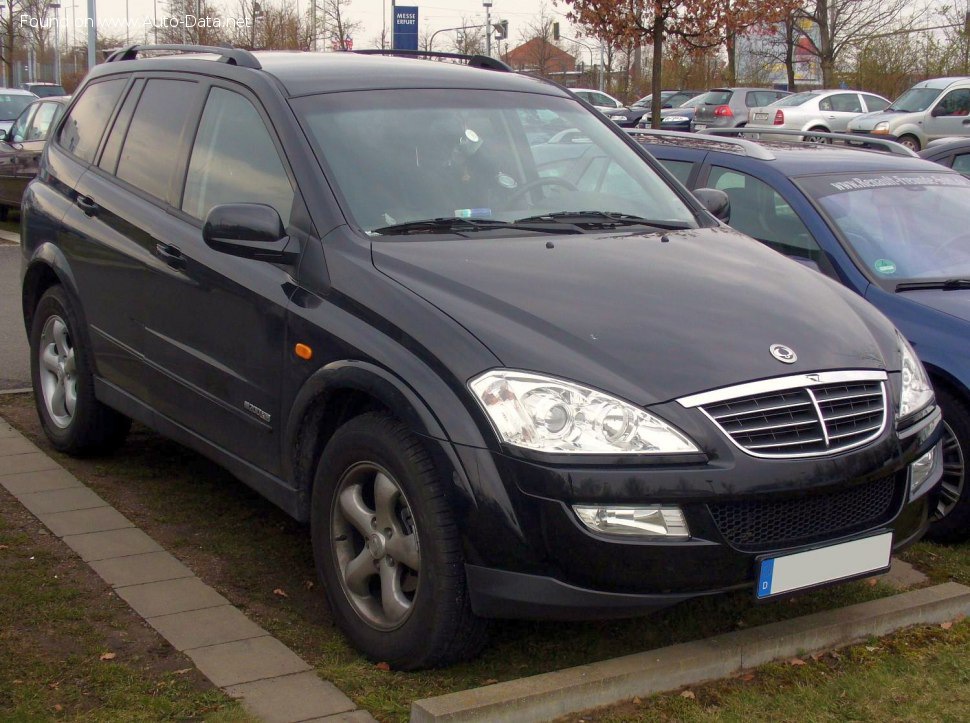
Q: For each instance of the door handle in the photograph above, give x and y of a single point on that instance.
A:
(170, 255)
(87, 204)
(966, 122)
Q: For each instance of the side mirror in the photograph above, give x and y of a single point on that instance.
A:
(715, 201)
(248, 230)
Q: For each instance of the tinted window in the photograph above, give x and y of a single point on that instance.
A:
(846, 103)
(956, 102)
(81, 132)
(234, 160)
(680, 169)
(760, 211)
(760, 97)
(116, 136)
(46, 114)
(792, 101)
(151, 150)
(715, 97)
(874, 102)
(962, 163)
(19, 130)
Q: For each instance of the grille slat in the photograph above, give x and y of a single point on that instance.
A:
(804, 421)
(762, 524)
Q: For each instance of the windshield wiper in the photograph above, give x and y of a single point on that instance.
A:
(464, 225)
(945, 284)
(602, 219)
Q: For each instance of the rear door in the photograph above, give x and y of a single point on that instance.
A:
(840, 108)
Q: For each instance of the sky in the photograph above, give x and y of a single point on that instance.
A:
(433, 15)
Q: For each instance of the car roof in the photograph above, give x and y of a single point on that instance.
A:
(952, 144)
(304, 73)
(62, 99)
(797, 158)
(16, 91)
(942, 82)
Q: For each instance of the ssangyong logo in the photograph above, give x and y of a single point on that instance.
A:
(783, 354)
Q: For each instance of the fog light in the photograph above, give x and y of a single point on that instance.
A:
(649, 521)
(923, 469)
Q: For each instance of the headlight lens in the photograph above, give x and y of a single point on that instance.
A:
(881, 127)
(620, 118)
(549, 415)
(917, 392)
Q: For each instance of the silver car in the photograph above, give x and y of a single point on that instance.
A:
(825, 111)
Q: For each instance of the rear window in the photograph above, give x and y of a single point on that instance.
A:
(13, 104)
(81, 132)
(791, 101)
(716, 97)
(761, 97)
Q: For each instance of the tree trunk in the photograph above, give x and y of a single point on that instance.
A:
(790, 39)
(730, 46)
(656, 83)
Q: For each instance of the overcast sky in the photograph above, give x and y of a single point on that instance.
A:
(433, 14)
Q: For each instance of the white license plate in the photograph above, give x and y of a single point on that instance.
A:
(700, 126)
(801, 570)
(761, 116)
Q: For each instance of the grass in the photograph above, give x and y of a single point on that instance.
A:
(70, 650)
(248, 550)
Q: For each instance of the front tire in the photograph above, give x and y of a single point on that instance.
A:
(950, 520)
(74, 421)
(911, 142)
(388, 549)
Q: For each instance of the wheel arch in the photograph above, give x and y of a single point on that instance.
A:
(341, 391)
(940, 376)
(47, 267)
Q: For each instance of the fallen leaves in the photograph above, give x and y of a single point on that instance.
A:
(108, 656)
(872, 581)
(382, 666)
(947, 625)
(490, 681)
(689, 694)
(797, 661)
(280, 592)
(308, 584)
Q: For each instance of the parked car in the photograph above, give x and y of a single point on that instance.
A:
(889, 226)
(728, 107)
(929, 110)
(21, 146)
(12, 104)
(950, 152)
(45, 90)
(630, 117)
(490, 393)
(678, 118)
(825, 111)
(598, 99)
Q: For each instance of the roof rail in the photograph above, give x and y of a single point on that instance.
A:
(849, 139)
(472, 61)
(233, 56)
(737, 146)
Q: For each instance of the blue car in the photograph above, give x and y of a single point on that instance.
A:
(891, 227)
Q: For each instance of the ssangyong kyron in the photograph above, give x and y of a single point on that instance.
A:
(366, 286)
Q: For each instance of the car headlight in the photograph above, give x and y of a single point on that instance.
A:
(550, 415)
(619, 118)
(881, 127)
(917, 392)
(675, 119)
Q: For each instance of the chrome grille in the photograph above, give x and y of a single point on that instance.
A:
(815, 415)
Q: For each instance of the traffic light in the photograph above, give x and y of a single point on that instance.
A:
(501, 29)
(555, 31)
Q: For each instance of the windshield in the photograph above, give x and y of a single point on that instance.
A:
(401, 156)
(12, 104)
(902, 226)
(46, 91)
(915, 100)
(790, 101)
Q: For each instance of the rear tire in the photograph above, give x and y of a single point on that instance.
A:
(388, 548)
(950, 520)
(816, 139)
(74, 420)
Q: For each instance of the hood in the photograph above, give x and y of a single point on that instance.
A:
(955, 302)
(867, 121)
(638, 316)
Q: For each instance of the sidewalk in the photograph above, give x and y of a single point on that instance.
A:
(237, 655)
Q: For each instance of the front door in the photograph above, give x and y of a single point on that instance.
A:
(950, 116)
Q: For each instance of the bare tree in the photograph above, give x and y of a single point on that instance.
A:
(338, 24)
(537, 52)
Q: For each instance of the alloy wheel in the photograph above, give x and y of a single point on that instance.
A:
(954, 474)
(58, 371)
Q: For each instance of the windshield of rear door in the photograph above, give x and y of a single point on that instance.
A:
(400, 156)
(915, 100)
(901, 226)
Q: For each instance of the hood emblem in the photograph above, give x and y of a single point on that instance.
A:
(783, 354)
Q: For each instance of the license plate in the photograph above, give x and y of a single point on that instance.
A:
(761, 116)
(700, 126)
(779, 575)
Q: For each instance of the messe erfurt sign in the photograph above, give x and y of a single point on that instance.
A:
(406, 27)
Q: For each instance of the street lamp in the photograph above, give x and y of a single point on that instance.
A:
(487, 4)
(56, 7)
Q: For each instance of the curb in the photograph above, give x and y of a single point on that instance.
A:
(9, 237)
(552, 695)
(234, 653)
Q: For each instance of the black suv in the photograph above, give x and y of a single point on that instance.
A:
(359, 284)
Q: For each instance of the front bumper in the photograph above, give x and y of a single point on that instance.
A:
(552, 566)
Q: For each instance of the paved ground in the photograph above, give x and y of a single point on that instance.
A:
(14, 365)
(233, 652)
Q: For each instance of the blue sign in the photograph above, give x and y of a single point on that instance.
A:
(406, 27)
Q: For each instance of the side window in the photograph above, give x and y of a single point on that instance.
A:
(42, 120)
(874, 102)
(116, 136)
(760, 97)
(825, 104)
(760, 211)
(846, 103)
(150, 153)
(680, 169)
(234, 160)
(956, 102)
(18, 133)
(961, 163)
(81, 132)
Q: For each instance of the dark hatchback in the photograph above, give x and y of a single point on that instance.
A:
(889, 226)
(21, 146)
(490, 392)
